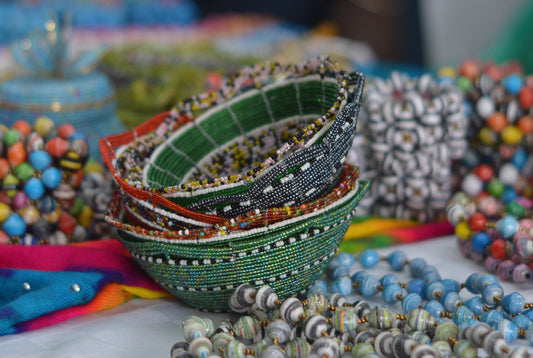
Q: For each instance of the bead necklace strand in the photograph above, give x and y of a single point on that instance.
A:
(329, 327)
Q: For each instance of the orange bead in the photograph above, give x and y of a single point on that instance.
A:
(66, 130)
(484, 172)
(56, 147)
(470, 69)
(525, 124)
(525, 97)
(16, 154)
(4, 167)
(23, 127)
(497, 122)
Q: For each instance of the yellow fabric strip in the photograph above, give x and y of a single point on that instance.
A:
(373, 226)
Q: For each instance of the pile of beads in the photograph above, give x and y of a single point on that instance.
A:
(499, 102)
(414, 128)
(50, 192)
(496, 233)
(327, 325)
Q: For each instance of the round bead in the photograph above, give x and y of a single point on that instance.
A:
(498, 249)
(291, 310)
(4, 166)
(234, 349)
(450, 301)
(383, 344)
(495, 188)
(416, 266)
(242, 298)
(342, 285)
(266, 298)
(56, 147)
(12, 136)
(5, 211)
(369, 286)
(472, 185)
(475, 304)
(520, 352)
(417, 286)
(51, 177)
(23, 127)
(34, 142)
(278, 330)
(326, 347)
(446, 330)
(483, 172)
(388, 279)
(193, 327)
(521, 321)
(344, 320)
(521, 273)
(420, 319)
(20, 201)
(44, 126)
(403, 345)
(247, 327)
(512, 83)
(442, 348)
(392, 293)
(316, 303)
(362, 349)
(368, 258)
(513, 303)
(24, 171)
(180, 350)
(485, 107)
(488, 206)
(397, 260)
(66, 130)
(221, 340)
(314, 325)
(477, 221)
(411, 301)
(40, 159)
(511, 135)
(465, 349)
(361, 308)
(336, 300)
(514, 209)
(463, 231)
(507, 226)
(490, 293)
(491, 317)
(493, 342)
(297, 348)
(16, 154)
(480, 242)
(34, 189)
(461, 314)
(14, 225)
(382, 318)
(423, 351)
(475, 333)
(525, 124)
(508, 329)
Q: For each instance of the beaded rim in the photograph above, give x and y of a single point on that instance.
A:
(257, 221)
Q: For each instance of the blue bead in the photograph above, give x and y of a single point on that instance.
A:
(342, 259)
(450, 301)
(507, 226)
(435, 290)
(14, 225)
(519, 158)
(430, 273)
(391, 292)
(461, 314)
(78, 135)
(434, 307)
(467, 323)
(34, 188)
(529, 335)
(512, 83)
(368, 258)
(369, 286)
(47, 204)
(508, 329)
(529, 314)
(513, 303)
(521, 321)
(451, 285)
(484, 281)
(51, 177)
(490, 293)
(467, 110)
(504, 313)
(321, 284)
(343, 285)
(359, 276)
(417, 286)
(508, 195)
(480, 241)
(316, 289)
(40, 159)
(475, 304)
(338, 271)
(388, 279)
(397, 260)
(491, 317)
(411, 301)
(470, 282)
(416, 266)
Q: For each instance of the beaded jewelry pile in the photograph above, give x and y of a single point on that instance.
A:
(437, 319)
(232, 186)
(412, 130)
(50, 193)
(492, 213)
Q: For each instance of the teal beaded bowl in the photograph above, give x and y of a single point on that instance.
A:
(86, 101)
(289, 255)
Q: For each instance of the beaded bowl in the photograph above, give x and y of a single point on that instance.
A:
(205, 266)
(280, 141)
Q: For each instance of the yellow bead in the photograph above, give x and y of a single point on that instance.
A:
(511, 135)
(85, 216)
(447, 72)
(5, 211)
(487, 136)
(43, 126)
(30, 214)
(462, 230)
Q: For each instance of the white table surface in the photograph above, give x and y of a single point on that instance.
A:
(149, 328)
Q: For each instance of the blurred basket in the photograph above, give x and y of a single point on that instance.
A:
(288, 255)
(190, 169)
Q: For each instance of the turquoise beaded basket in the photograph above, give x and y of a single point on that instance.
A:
(288, 255)
(86, 101)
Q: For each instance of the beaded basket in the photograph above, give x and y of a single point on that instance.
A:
(288, 131)
(288, 255)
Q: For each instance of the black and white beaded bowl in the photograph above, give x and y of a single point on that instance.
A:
(288, 255)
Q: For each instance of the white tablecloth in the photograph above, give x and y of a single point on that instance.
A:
(149, 328)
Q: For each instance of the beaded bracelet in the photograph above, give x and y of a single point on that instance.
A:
(328, 326)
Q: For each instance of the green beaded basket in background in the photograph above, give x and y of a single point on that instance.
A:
(288, 255)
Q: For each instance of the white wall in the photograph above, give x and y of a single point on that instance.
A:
(453, 30)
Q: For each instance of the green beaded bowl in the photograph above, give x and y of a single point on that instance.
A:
(288, 255)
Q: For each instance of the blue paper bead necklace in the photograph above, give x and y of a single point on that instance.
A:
(510, 314)
(325, 325)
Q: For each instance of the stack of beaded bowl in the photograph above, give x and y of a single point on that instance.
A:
(412, 130)
(50, 193)
(226, 197)
(492, 213)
